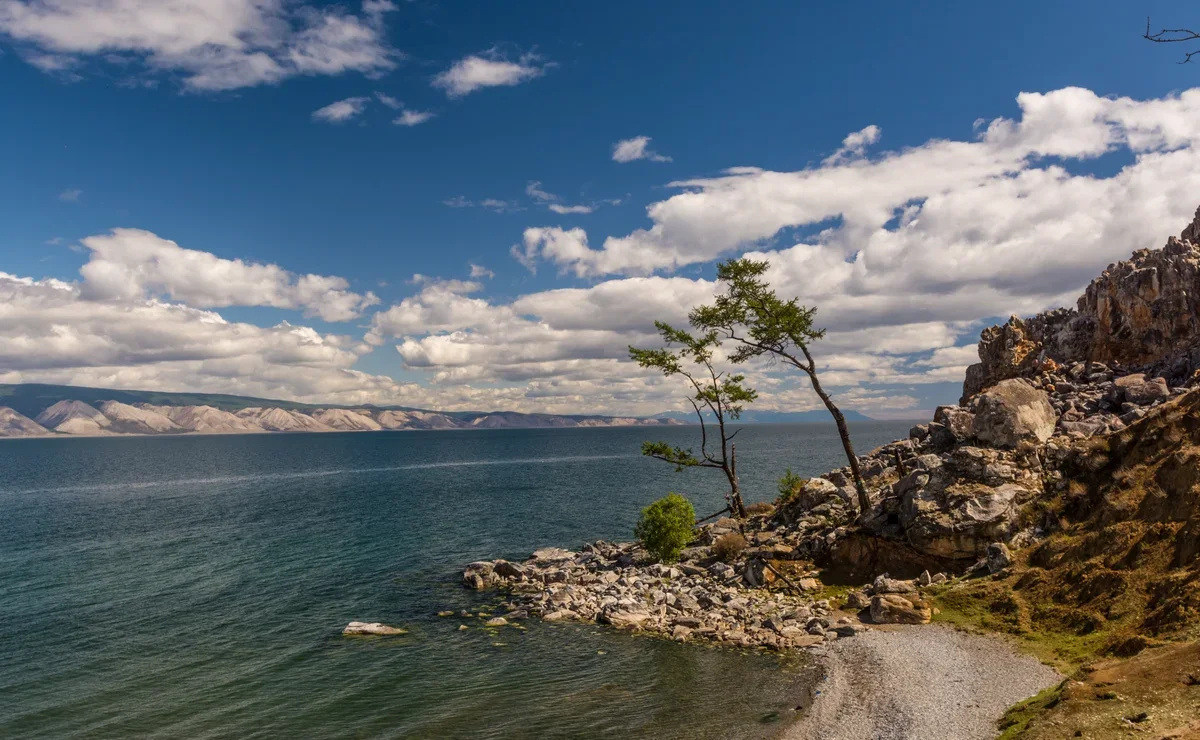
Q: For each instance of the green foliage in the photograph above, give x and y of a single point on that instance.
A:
(677, 456)
(771, 325)
(665, 527)
(725, 392)
(789, 485)
(729, 546)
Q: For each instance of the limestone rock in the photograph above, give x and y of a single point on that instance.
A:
(1013, 413)
(625, 618)
(895, 609)
(479, 575)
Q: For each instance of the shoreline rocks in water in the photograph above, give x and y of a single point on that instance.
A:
(372, 628)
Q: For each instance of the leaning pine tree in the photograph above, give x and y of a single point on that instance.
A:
(720, 394)
(751, 314)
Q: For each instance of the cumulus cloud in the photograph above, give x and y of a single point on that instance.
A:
(490, 68)
(479, 271)
(630, 150)
(413, 117)
(131, 264)
(342, 110)
(212, 44)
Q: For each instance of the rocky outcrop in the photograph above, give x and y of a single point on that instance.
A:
(895, 609)
(75, 417)
(13, 424)
(1013, 414)
(1143, 312)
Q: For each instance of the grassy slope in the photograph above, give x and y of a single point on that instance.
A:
(1113, 598)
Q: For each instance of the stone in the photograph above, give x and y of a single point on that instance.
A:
(959, 422)
(1147, 393)
(919, 432)
(925, 579)
(505, 569)
(463, 628)
(559, 614)
(998, 557)
(680, 633)
(372, 628)
(895, 609)
(446, 614)
(955, 519)
(885, 585)
(1012, 413)
(624, 618)
(496, 622)
(478, 575)
(857, 600)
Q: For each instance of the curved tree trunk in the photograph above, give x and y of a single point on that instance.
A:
(864, 502)
(735, 491)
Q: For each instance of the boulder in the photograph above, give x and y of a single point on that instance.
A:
(625, 618)
(950, 518)
(559, 614)
(895, 609)
(496, 622)
(957, 421)
(1012, 414)
(1147, 392)
(372, 628)
(505, 569)
(998, 557)
(479, 575)
(885, 585)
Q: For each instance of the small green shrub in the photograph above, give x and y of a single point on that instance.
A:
(759, 507)
(665, 527)
(729, 546)
(789, 485)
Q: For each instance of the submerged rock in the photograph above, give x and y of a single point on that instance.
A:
(372, 628)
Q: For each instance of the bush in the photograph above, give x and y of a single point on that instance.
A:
(729, 546)
(759, 507)
(665, 527)
(789, 485)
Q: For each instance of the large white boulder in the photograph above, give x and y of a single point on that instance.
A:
(1013, 413)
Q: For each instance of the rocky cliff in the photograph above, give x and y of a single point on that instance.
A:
(1141, 314)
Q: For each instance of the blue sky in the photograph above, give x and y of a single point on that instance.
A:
(122, 126)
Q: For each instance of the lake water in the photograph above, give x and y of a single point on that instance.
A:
(194, 587)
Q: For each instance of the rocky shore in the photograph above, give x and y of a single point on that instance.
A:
(1037, 447)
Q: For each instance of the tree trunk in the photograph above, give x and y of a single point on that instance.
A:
(735, 491)
(864, 502)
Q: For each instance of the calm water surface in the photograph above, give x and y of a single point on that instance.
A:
(195, 587)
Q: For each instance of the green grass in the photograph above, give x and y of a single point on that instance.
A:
(1016, 720)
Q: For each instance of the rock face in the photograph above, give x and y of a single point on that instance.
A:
(1013, 413)
(75, 417)
(1139, 312)
(13, 424)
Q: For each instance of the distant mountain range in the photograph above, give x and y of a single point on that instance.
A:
(34, 409)
(750, 416)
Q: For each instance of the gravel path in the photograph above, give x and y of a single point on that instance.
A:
(929, 682)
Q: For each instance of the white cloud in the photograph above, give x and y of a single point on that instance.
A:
(986, 223)
(413, 117)
(389, 101)
(489, 69)
(342, 110)
(479, 271)
(629, 150)
(212, 44)
(131, 264)
(561, 209)
(854, 146)
(70, 195)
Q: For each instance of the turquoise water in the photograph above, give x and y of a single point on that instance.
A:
(194, 587)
